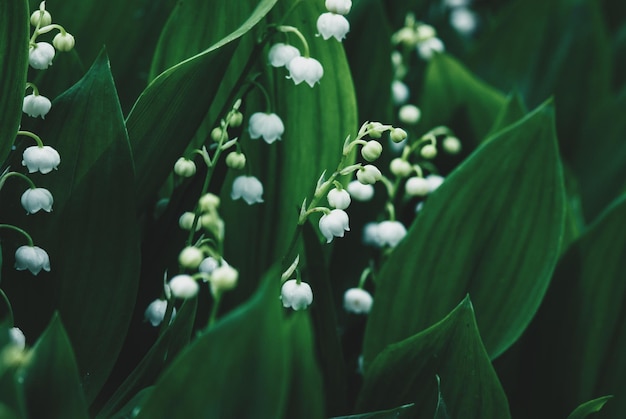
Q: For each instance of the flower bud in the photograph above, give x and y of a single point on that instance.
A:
(429, 151)
(371, 150)
(32, 258)
(190, 257)
(341, 7)
(338, 198)
(183, 286)
(451, 145)
(398, 135)
(40, 55)
(360, 192)
(431, 46)
(185, 221)
(36, 105)
(44, 19)
(409, 114)
(399, 92)
(417, 186)
(236, 119)
(17, 338)
(296, 295)
(223, 278)
(208, 265)
(185, 167)
(434, 182)
(208, 202)
(212, 223)
(400, 167)
(236, 160)
(368, 174)
(358, 301)
(155, 313)
(64, 42)
(216, 134)
(376, 129)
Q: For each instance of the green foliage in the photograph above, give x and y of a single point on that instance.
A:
(592, 406)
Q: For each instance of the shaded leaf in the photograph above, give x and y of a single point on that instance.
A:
(592, 406)
(512, 111)
(401, 412)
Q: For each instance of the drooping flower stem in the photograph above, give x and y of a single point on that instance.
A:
(33, 136)
(169, 310)
(19, 230)
(7, 175)
(296, 31)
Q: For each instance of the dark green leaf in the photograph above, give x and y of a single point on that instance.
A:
(402, 412)
(512, 111)
(51, 381)
(592, 406)
(14, 36)
(493, 229)
(130, 409)
(6, 312)
(452, 349)
(441, 411)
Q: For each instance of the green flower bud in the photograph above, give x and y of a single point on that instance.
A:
(372, 150)
(429, 151)
(451, 145)
(397, 135)
(208, 202)
(236, 119)
(190, 257)
(236, 160)
(185, 167)
(400, 167)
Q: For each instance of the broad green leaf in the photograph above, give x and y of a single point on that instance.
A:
(14, 36)
(493, 229)
(92, 233)
(441, 411)
(451, 91)
(161, 354)
(130, 409)
(51, 379)
(163, 120)
(512, 111)
(451, 349)
(238, 368)
(580, 330)
(402, 412)
(592, 406)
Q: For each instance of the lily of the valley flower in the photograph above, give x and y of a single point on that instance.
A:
(434, 182)
(155, 313)
(223, 278)
(281, 54)
(338, 198)
(266, 125)
(36, 105)
(296, 295)
(184, 167)
(17, 338)
(368, 174)
(341, 7)
(358, 301)
(417, 186)
(33, 258)
(390, 233)
(40, 55)
(63, 41)
(249, 188)
(43, 159)
(183, 286)
(429, 47)
(35, 199)
(334, 224)
(333, 25)
(305, 69)
(360, 192)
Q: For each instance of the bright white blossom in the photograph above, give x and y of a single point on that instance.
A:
(266, 125)
(36, 105)
(281, 54)
(333, 25)
(368, 174)
(223, 278)
(64, 42)
(183, 286)
(456, 3)
(390, 233)
(296, 295)
(338, 198)
(43, 159)
(429, 47)
(417, 186)
(370, 234)
(371, 150)
(463, 20)
(409, 114)
(184, 167)
(208, 265)
(434, 181)
(35, 199)
(155, 313)
(399, 92)
(185, 221)
(33, 258)
(17, 338)
(341, 7)
(190, 257)
(249, 188)
(40, 55)
(305, 69)
(357, 300)
(360, 192)
(334, 224)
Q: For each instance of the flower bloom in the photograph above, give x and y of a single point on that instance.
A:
(40, 55)
(305, 69)
(208, 265)
(341, 7)
(296, 295)
(370, 234)
(17, 338)
(280, 54)
(223, 278)
(429, 47)
(183, 286)
(43, 159)
(32, 258)
(36, 105)
(63, 42)
(409, 114)
(334, 224)
(463, 20)
(360, 192)
(357, 300)
(266, 125)
(390, 233)
(434, 182)
(249, 188)
(332, 25)
(35, 199)
(184, 167)
(190, 257)
(417, 186)
(155, 313)
(399, 92)
(368, 174)
(338, 198)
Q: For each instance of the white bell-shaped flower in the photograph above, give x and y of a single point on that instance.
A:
(155, 313)
(399, 92)
(429, 47)
(43, 159)
(208, 265)
(184, 167)
(434, 182)
(183, 286)
(36, 105)
(358, 301)
(334, 224)
(248, 188)
(368, 174)
(333, 25)
(64, 42)
(33, 258)
(296, 295)
(370, 234)
(40, 55)
(190, 257)
(360, 192)
(17, 338)
(223, 278)
(266, 125)
(463, 20)
(305, 69)
(338, 198)
(390, 233)
(341, 7)
(35, 199)
(409, 114)
(417, 186)
(281, 54)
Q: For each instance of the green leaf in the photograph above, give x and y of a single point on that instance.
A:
(92, 233)
(441, 411)
(163, 120)
(452, 349)
(51, 381)
(14, 36)
(592, 406)
(450, 90)
(493, 229)
(160, 355)
(402, 412)
(130, 409)
(512, 111)
(238, 368)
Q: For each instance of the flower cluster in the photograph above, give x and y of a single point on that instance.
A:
(333, 23)
(41, 54)
(301, 67)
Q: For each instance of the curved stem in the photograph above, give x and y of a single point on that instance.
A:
(17, 174)
(294, 30)
(33, 136)
(19, 230)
